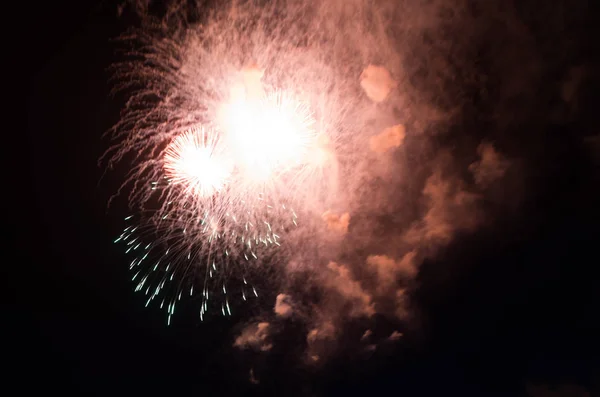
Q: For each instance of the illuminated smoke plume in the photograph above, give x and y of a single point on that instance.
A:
(320, 340)
(339, 281)
(490, 167)
(450, 208)
(389, 138)
(388, 269)
(377, 83)
(337, 223)
(254, 336)
(366, 335)
(283, 307)
(252, 377)
(329, 109)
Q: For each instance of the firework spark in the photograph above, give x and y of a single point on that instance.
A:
(190, 251)
(192, 161)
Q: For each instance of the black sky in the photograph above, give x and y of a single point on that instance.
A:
(514, 304)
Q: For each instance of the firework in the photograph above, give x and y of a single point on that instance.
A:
(194, 162)
(202, 241)
(223, 151)
(219, 219)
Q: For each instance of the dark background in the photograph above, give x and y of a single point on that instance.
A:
(514, 305)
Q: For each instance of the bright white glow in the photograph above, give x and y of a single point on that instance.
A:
(191, 160)
(269, 135)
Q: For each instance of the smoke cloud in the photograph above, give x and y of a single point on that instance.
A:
(391, 137)
(394, 79)
(388, 270)
(283, 307)
(320, 341)
(349, 291)
(451, 208)
(377, 83)
(394, 336)
(490, 167)
(337, 223)
(254, 336)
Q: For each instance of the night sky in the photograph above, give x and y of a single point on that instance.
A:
(510, 306)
